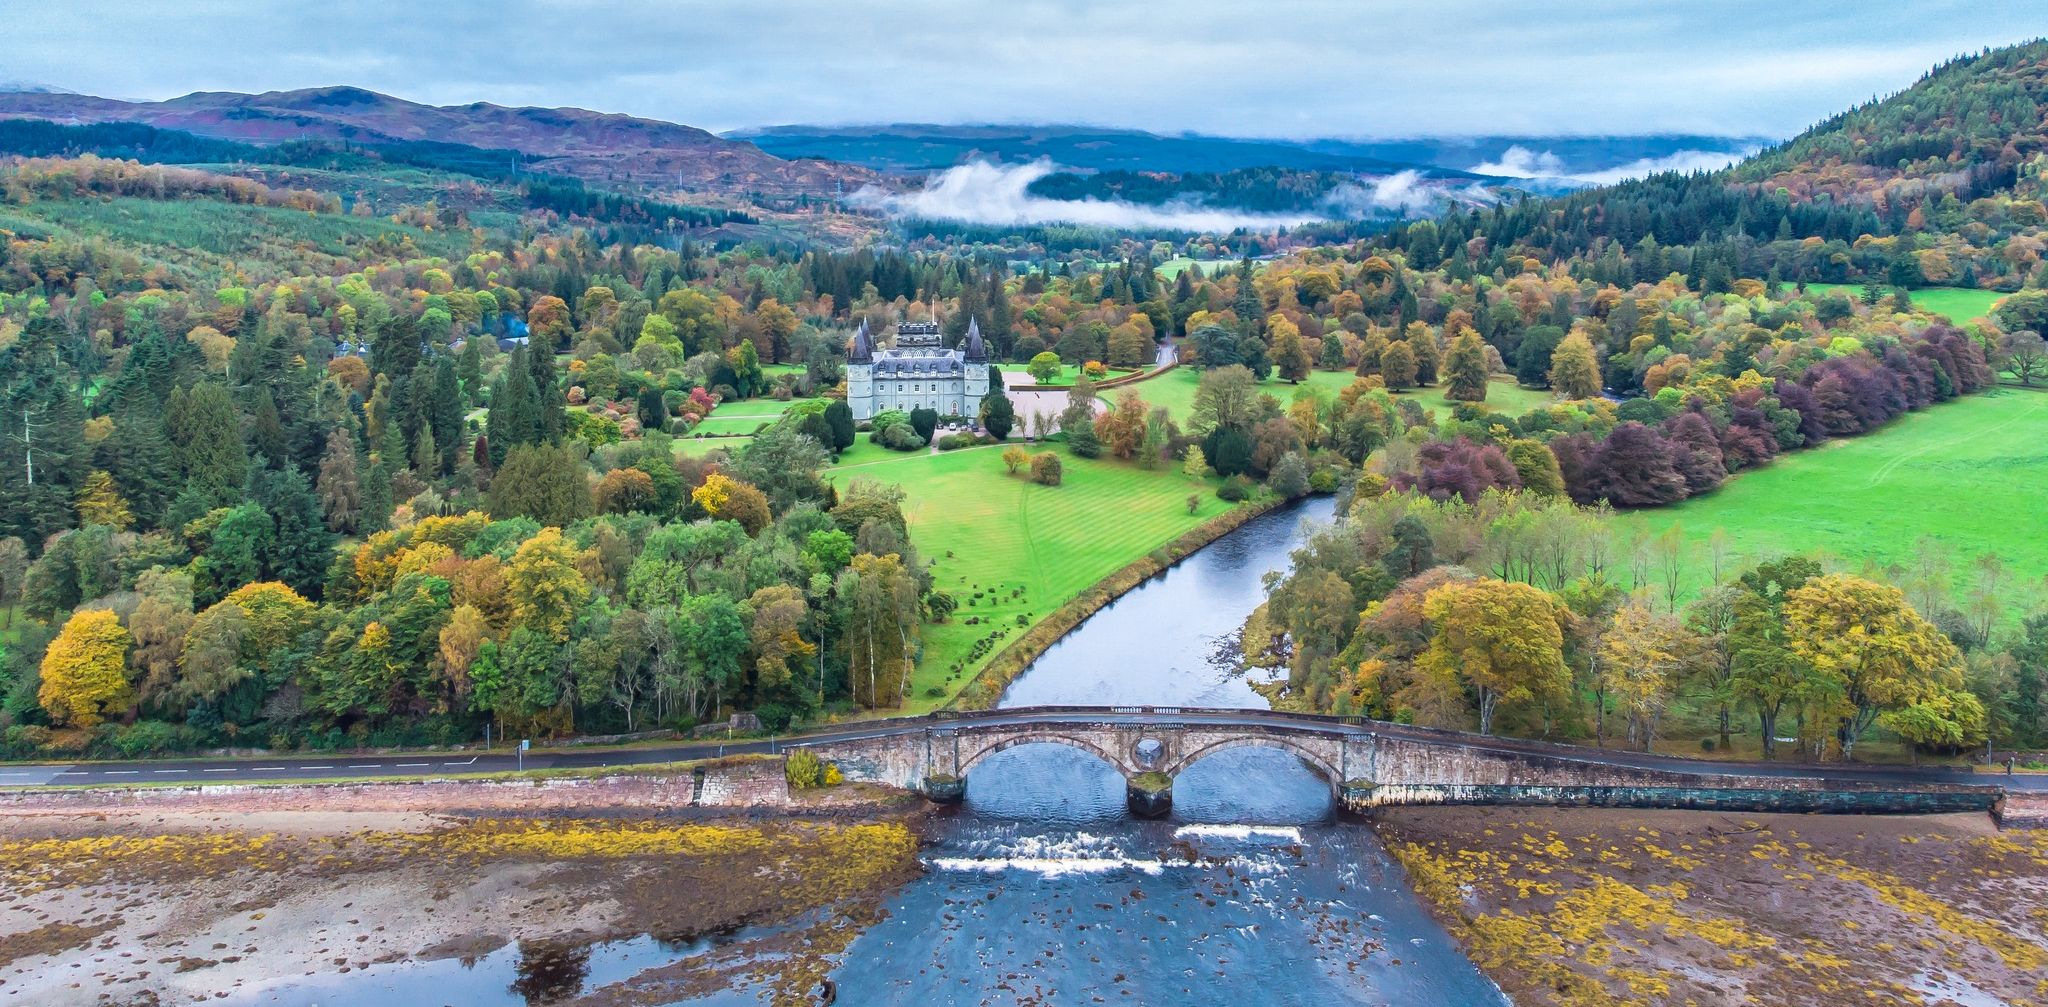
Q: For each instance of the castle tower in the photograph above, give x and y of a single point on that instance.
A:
(860, 375)
(975, 360)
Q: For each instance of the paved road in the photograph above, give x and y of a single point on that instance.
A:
(315, 767)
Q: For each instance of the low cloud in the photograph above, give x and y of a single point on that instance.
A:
(1521, 162)
(999, 195)
(1399, 193)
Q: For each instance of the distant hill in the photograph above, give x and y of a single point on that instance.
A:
(594, 146)
(923, 148)
(1944, 183)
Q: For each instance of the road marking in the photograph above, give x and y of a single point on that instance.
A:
(123, 772)
(471, 762)
(227, 770)
(316, 767)
(369, 765)
(268, 769)
(412, 765)
(170, 770)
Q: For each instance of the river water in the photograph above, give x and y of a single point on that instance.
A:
(1041, 889)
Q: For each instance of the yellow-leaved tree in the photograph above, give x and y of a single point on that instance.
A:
(1504, 640)
(85, 671)
(1884, 661)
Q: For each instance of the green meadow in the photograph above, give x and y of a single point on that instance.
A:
(1012, 551)
(1960, 304)
(1176, 391)
(1968, 473)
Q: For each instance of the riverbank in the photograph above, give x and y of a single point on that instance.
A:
(1589, 907)
(986, 690)
(237, 893)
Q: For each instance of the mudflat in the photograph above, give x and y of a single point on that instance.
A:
(1592, 907)
(180, 899)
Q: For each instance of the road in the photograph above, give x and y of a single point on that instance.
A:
(450, 764)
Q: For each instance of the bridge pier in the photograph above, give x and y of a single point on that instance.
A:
(942, 788)
(1149, 795)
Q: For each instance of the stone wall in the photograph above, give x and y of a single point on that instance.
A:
(2024, 811)
(754, 784)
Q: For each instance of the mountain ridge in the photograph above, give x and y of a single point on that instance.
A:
(597, 146)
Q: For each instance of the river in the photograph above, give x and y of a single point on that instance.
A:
(1040, 889)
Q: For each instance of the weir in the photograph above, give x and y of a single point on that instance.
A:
(1371, 764)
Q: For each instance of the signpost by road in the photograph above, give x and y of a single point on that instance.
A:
(524, 744)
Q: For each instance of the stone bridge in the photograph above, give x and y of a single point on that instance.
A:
(1369, 764)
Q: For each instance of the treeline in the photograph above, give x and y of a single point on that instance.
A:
(1517, 614)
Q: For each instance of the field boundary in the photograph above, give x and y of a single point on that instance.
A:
(995, 677)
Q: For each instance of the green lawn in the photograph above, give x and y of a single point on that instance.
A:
(990, 532)
(1172, 268)
(1960, 304)
(1068, 372)
(1176, 391)
(694, 446)
(1969, 473)
(743, 416)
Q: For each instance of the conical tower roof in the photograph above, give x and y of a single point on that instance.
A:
(977, 352)
(863, 346)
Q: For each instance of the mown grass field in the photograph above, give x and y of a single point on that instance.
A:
(1025, 548)
(1176, 391)
(1968, 473)
(1960, 304)
(209, 232)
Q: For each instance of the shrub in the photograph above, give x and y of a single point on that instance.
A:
(803, 770)
(899, 437)
(1045, 469)
(952, 442)
(1015, 458)
(1235, 489)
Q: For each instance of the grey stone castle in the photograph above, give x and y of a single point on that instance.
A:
(917, 373)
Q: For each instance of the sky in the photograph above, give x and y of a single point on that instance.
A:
(1273, 68)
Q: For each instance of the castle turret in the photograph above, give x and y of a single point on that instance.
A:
(860, 375)
(974, 386)
(977, 353)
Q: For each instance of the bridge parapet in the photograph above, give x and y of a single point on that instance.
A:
(1366, 765)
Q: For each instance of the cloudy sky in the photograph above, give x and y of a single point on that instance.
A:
(1352, 68)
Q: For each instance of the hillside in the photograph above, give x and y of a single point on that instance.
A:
(1940, 184)
(595, 146)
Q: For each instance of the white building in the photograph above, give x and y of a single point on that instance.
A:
(917, 373)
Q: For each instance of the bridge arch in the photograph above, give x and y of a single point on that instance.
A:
(969, 761)
(1313, 759)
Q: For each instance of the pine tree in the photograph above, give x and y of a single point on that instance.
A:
(446, 413)
(302, 546)
(43, 462)
(341, 491)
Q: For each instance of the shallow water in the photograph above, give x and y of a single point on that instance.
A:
(1172, 641)
(1042, 890)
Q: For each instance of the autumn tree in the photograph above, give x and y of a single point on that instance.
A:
(1290, 352)
(85, 670)
(1644, 656)
(1882, 657)
(728, 499)
(545, 585)
(878, 602)
(340, 486)
(1465, 366)
(1500, 639)
(1397, 365)
(1575, 368)
(100, 502)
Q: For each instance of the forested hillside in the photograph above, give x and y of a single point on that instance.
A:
(1939, 184)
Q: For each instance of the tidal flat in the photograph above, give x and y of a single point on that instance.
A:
(1595, 908)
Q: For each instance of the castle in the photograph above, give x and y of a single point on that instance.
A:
(917, 373)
